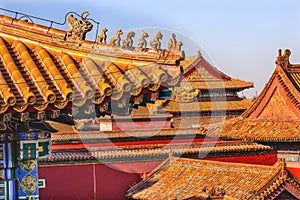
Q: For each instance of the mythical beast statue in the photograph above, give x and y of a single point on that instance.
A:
(78, 28)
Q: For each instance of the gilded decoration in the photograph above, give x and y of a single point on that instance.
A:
(1, 173)
(186, 94)
(28, 135)
(44, 135)
(199, 73)
(78, 28)
(29, 184)
(3, 126)
(28, 165)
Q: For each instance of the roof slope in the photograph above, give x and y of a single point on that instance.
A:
(274, 115)
(177, 107)
(199, 73)
(114, 152)
(282, 90)
(275, 130)
(198, 179)
(40, 68)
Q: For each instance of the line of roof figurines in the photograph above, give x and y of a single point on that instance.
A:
(79, 28)
(173, 44)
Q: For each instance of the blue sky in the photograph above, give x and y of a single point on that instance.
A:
(241, 38)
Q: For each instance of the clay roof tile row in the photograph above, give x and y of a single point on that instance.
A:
(173, 106)
(198, 73)
(40, 67)
(258, 129)
(104, 135)
(179, 178)
(157, 151)
(40, 78)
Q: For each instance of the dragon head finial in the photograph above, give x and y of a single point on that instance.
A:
(84, 15)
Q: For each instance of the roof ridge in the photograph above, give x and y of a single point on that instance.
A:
(279, 71)
(280, 172)
(260, 97)
(288, 82)
(191, 75)
(60, 37)
(220, 163)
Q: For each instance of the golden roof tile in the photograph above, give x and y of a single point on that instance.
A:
(258, 129)
(55, 75)
(200, 74)
(5, 91)
(173, 106)
(97, 79)
(180, 178)
(288, 79)
(274, 115)
(41, 68)
(161, 151)
(34, 72)
(16, 75)
(116, 134)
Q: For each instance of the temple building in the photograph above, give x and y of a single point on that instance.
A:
(105, 111)
(205, 95)
(273, 118)
(56, 75)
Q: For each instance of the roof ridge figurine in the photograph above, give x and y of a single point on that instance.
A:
(128, 42)
(143, 42)
(102, 38)
(116, 39)
(155, 43)
(173, 44)
(78, 28)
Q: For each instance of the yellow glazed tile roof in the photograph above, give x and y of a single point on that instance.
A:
(40, 68)
(179, 178)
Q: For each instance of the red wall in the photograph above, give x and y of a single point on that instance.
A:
(64, 181)
(77, 182)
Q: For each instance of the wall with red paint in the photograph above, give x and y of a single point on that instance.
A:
(85, 182)
(67, 182)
